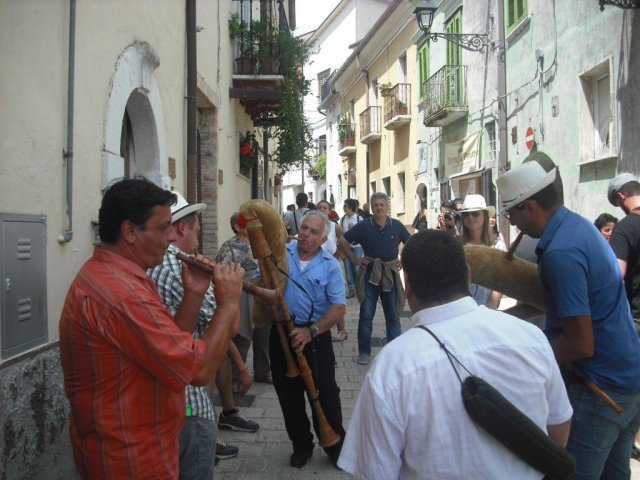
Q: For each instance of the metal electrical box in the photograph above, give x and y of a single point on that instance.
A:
(23, 309)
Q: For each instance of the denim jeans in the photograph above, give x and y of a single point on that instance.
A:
(601, 440)
(351, 270)
(368, 310)
(197, 448)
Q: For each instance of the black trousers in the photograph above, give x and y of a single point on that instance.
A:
(291, 392)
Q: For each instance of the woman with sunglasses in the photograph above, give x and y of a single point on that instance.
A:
(477, 231)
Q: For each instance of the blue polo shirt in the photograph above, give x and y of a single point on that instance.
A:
(378, 242)
(580, 276)
(321, 279)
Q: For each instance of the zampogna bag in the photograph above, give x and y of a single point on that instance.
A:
(501, 419)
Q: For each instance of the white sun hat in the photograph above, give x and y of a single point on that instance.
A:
(475, 202)
(522, 182)
(182, 208)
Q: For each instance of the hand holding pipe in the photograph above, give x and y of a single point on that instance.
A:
(265, 295)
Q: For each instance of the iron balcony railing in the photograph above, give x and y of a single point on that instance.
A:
(445, 89)
(396, 102)
(347, 135)
(370, 121)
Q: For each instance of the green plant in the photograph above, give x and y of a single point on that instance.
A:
(291, 129)
(239, 30)
(344, 123)
(384, 86)
(320, 165)
(248, 151)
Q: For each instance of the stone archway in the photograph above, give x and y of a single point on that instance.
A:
(134, 91)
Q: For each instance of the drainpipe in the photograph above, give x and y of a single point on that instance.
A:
(502, 105)
(68, 154)
(192, 72)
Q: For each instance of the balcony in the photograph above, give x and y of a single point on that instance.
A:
(396, 106)
(346, 139)
(370, 125)
(445, 97)
(257, 80)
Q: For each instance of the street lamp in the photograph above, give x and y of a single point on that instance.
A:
(475, 42)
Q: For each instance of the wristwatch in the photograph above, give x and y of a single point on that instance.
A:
(314, 331)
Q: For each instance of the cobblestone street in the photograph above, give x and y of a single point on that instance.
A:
(265, 454)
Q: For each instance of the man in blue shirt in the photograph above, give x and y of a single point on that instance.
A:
(380, 237)
(589, 323)
(314, 311)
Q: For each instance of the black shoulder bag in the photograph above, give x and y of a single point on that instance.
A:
(502, 420)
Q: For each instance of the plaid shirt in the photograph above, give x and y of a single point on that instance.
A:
(234, 251)
(125, 367)
(167, 277)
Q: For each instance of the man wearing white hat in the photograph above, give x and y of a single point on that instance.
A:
(624, 192)
(589, 324)
(198, 445)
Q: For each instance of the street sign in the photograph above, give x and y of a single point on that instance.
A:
(529, 138)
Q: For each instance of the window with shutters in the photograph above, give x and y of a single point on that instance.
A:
(516, 11)
(322, 79)
(423, 68)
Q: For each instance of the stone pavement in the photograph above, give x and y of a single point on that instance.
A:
(265, 454)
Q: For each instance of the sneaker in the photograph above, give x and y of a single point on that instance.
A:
(341, 336)
(224, 450)
(635, 451)
(363, 359)
(237, 422)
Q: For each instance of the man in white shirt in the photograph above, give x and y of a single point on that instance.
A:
(293, 219)
(410, 411)
(349, 220)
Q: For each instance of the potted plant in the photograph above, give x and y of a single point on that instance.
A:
(345, 131)
(385, 89)
(248, 148)
(401, 108)
(239, 30)
(267, 39)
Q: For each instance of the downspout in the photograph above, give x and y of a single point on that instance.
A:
(265, 165)
(68, 154)
(502, 106)
(192, 72)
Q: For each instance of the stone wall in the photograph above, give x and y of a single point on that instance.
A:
(34, 417)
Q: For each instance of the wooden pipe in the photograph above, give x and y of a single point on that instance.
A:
(265, 295)
(604, 397)
(514, 246)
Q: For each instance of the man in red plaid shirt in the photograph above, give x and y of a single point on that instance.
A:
(126, 363)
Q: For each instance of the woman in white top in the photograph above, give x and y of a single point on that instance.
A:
(476, 231)
(331, 246)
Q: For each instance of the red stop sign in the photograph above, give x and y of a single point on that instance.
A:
(529, 138)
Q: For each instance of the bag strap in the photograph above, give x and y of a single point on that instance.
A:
(450, 355)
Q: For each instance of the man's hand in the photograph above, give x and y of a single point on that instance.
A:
(227, 279)
(299, 338)
(194, 280)
(361, 261)
(398, 265)
(244, 379)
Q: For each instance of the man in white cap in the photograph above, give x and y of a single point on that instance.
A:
(198, 438)
(125, 362)
(624, 192)
(589, 324)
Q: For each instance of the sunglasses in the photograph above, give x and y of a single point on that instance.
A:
(473, 214)
(509, 212)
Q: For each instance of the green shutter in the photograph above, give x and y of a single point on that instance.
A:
(423, 67)
(516, 11)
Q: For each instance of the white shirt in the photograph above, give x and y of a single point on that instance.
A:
(349, 221)
(409, 420)
(331, 245)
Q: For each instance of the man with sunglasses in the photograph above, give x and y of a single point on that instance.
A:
(589, 323)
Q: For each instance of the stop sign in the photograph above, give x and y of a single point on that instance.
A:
(529, 138)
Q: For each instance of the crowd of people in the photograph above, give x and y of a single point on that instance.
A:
(144, 336)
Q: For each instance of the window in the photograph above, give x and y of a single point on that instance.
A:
(402, 68)
(322, 79)
(400, 202)
(596, 115)
(386, 187)
(454, 52)
(492, 147)
(373, 187)
(516, 11)
(423, 68)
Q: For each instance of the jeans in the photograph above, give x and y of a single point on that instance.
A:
(197, 448)
(601, 440)
(368, 310)
(351, 270)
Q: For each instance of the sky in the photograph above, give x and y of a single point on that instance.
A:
(311, 13)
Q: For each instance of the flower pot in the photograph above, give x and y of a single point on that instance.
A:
(245, 65)
(386, 92)
(269, 66)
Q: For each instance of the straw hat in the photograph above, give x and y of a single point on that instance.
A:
(522, 182)
(474, 202)
(182, 208)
